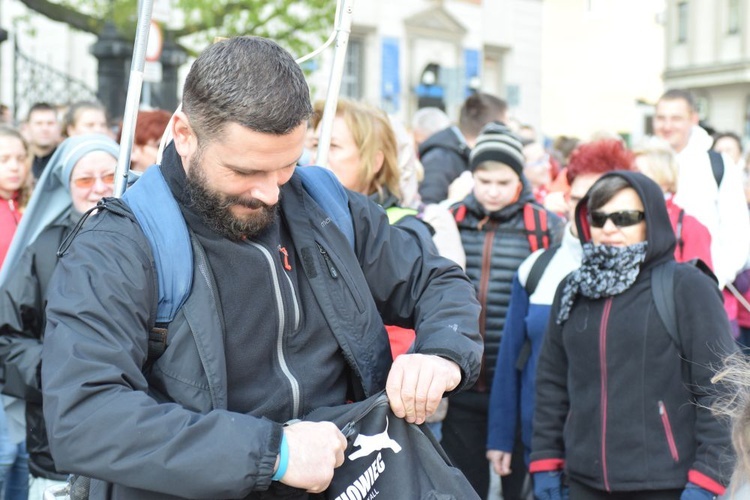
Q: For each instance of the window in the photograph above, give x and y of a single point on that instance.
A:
(682, 22)
(733, 17)
(351, 80)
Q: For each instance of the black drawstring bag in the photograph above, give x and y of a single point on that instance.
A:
(387, 457)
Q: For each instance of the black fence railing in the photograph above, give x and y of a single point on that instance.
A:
(38, 82)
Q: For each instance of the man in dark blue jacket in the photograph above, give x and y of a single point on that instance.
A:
(284, 315)
(445, 154)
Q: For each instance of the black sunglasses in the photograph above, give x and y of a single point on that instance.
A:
(623, 218)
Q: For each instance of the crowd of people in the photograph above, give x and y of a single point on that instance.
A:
(556, 311)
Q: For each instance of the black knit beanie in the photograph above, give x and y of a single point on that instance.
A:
(497, 143)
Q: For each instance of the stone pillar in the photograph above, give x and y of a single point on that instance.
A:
(172, 57)
(113, 53)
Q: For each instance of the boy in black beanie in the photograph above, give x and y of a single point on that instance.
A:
(500, 225)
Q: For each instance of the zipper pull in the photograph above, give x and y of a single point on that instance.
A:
(329, 263)
(285, 256)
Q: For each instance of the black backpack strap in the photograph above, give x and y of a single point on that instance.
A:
(523, 355)
(532, 281)
(678, 232)
(717, 166)
(662, 289)
(538, 268)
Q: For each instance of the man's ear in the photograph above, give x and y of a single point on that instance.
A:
(185, 140)
(694, 118)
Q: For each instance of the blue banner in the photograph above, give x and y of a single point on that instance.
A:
(390, 88)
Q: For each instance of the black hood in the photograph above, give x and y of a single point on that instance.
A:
(659, 233)
(446, 139)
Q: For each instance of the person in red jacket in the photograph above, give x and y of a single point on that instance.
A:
(656, 160)
(15, 186)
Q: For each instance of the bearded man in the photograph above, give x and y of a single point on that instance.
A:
(284, 314)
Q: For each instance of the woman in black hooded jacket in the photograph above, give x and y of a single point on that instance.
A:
(621, 408)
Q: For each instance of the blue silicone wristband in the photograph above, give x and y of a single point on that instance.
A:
(283, 459)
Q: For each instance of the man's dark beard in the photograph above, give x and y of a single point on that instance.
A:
(215, 209)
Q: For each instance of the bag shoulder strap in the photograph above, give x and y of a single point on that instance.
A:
(327, 191)
(538, 268)
(662, 290)
(160, 218)
(717, 166)
(535, 222)
(678, 231)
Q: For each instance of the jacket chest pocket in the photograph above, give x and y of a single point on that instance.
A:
(339, 282)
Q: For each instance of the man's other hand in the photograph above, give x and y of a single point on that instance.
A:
(315, 449)
(417, 382)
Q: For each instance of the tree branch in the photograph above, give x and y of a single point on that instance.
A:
(63, 14)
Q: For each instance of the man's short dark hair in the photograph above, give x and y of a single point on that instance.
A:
(246, 80)
(676, 94)
(40, 106)
(478, 110)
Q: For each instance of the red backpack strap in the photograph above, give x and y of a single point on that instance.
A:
(459, 212)
(535, 222)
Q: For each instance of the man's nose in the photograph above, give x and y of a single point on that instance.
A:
(266, 191)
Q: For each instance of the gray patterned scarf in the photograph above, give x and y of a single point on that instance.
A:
(605, 271)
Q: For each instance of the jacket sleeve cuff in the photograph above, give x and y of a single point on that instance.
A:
(549, 464)
(706, 482)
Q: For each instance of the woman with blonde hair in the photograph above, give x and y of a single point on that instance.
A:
(364, 155)
(655, 159)
(363, 152)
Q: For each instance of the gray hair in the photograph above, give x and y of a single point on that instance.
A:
(430, 120)
(246, 80)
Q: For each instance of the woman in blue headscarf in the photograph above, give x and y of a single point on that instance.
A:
(79, 174)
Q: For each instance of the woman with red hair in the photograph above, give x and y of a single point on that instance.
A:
(149, 127)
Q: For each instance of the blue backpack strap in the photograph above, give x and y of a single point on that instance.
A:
(321, 184)
(161, 220)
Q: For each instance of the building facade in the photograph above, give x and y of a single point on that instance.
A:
(404, 54)
(602, 66)
(708, 52)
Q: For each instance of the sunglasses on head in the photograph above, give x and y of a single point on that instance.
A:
(623, 218)
(87, 182)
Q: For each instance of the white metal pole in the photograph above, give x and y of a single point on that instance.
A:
(343, 28)
(133, 98)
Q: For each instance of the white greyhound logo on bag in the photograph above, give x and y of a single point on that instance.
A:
(371, 444)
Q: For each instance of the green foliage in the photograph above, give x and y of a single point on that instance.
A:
(298, 25)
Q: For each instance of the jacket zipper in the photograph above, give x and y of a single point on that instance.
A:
(668, 431)
(295, 302)
(350, 428)
(293, 382)
(603, 370)
(484, 280)
(329, 263)
(201, 260)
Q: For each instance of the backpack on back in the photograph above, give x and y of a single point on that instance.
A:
(534, 222)
(162, 223)
(717, 166)
(662, 291)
